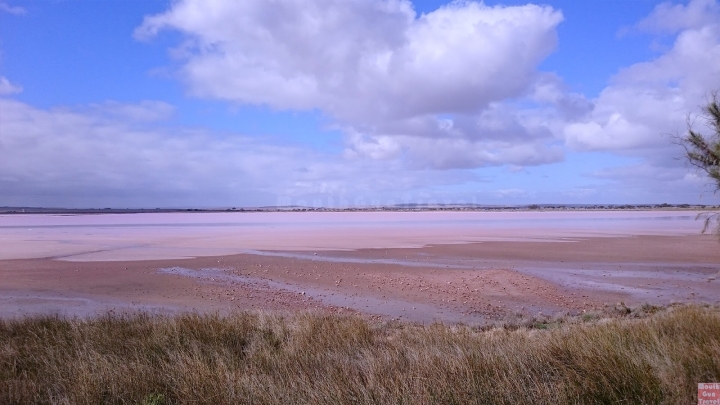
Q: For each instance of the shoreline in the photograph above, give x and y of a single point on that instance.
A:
(468, 283)
(423, 208)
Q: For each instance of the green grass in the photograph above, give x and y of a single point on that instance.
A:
(315, 358)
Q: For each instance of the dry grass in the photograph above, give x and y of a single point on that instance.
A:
(306, 358)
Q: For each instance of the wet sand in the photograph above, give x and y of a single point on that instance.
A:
(418, 266)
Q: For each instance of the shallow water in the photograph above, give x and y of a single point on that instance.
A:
(18, 304)
(116, 237)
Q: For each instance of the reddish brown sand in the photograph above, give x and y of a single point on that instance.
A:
(465, 282)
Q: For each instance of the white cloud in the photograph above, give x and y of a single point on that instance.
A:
(669, 17)
(115, 154)
(359, 59)
(389, 77)
(510, 193)
(7, 88)
(649, 99)
(17, 10)
(647, 103)
(648, 182)
(579, 193)
(420, 98)
(146, 110)
(376, 148)
(461, 153)
(61, 152)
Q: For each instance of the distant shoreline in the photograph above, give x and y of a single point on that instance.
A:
(413, 208)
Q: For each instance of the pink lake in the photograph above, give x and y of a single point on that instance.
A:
(121, 237)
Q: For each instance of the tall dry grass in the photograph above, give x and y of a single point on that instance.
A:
(306, 358)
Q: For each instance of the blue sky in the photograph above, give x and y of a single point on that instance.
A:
(341, 102)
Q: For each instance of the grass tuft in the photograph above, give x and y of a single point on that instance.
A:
(644, 356)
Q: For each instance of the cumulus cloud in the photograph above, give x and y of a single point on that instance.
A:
(647, 103)
(422, 100)
(359, 59)
(652, 98)
(400, 84)
(7, 88)
(118, 154)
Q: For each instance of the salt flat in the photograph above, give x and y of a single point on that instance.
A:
(419, 266)
(181, 235)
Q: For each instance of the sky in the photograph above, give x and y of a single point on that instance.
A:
(352, 103)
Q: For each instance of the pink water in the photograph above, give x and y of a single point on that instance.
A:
(115, 237)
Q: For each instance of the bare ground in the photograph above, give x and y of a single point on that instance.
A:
(468, 283)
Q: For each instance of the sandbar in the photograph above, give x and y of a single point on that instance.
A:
(419, 266)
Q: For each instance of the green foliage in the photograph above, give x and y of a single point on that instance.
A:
(154, 399)
(703, 152)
